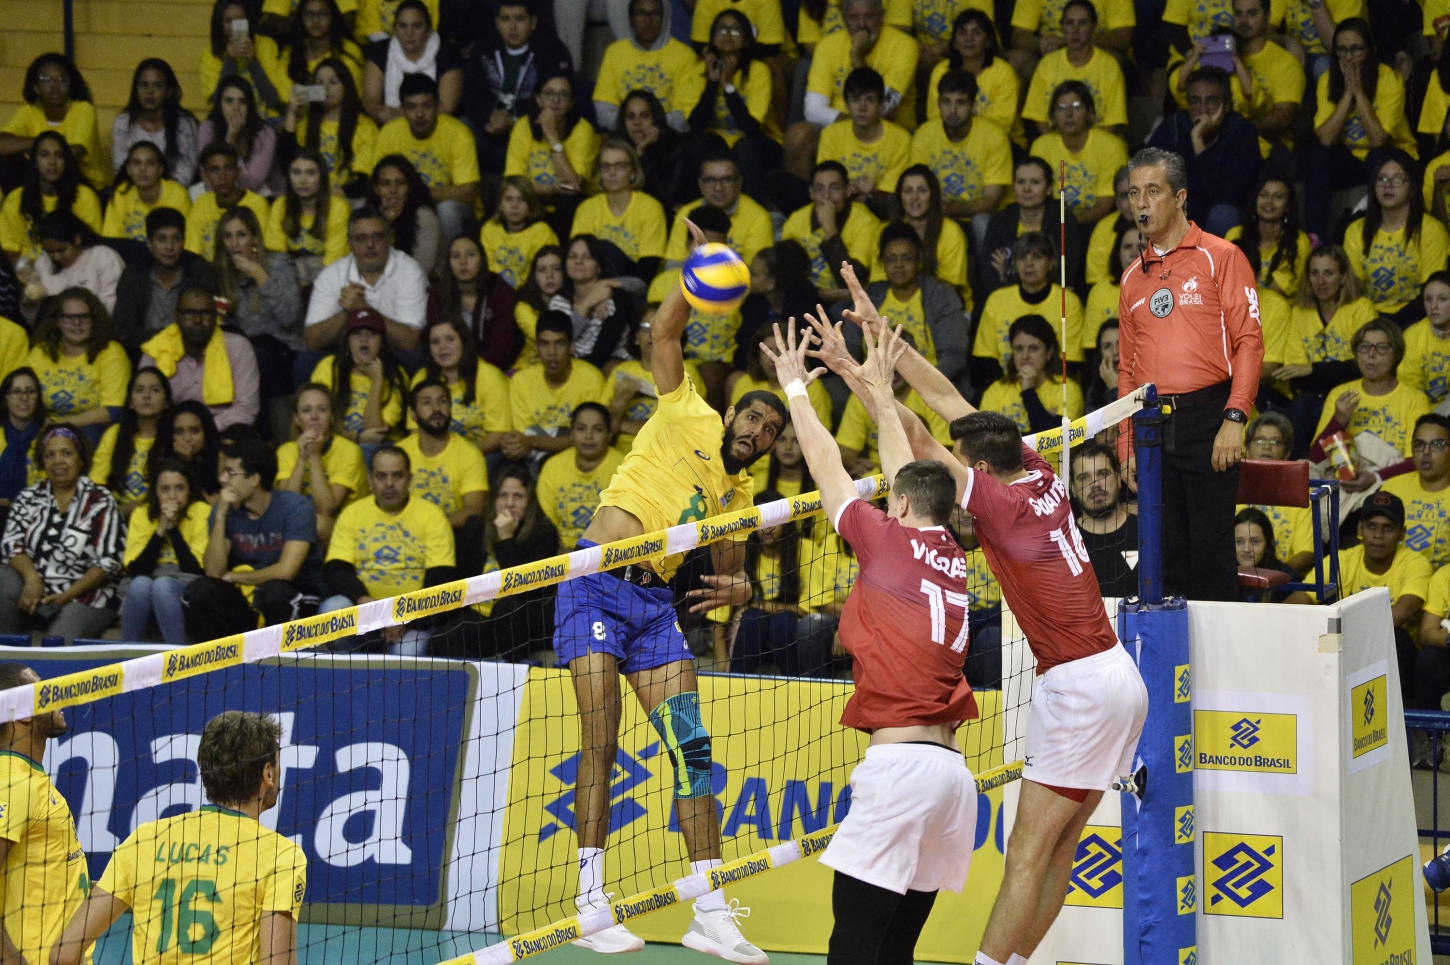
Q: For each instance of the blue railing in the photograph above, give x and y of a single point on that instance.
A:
(1436, 723)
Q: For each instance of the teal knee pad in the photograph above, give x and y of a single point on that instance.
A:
(677, 721)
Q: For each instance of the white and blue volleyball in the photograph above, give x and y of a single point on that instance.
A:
(715, 279)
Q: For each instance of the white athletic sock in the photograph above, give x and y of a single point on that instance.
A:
(982, 959)
(1016, 960)
(711, 900)
(591, 877)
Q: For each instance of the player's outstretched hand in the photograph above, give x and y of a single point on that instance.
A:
(878, 374)
(865, 313)
(832, 350)
(731, 589)
(697, 237)
(789, 358)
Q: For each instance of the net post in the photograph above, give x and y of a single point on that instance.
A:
(1147, 446)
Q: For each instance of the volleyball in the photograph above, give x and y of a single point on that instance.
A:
(715, 279)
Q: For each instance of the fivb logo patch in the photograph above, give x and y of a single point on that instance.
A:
(1229, 740)
(1244, 874)
(1382, 915)
(1097, 869)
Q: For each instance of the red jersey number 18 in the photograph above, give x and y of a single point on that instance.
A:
(1076, 554)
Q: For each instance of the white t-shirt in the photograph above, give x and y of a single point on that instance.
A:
(401, 292)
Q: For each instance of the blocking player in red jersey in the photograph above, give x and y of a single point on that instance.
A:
(1088, 702)
(913, 816)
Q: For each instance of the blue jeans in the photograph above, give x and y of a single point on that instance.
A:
(766, 636)
(160, 595)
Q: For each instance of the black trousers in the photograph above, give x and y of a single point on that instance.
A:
(1198, 508)
(1424, 672)
(468, 547)
(875, 926)
(215, 608)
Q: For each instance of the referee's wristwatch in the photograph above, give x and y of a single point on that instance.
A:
(1235, 415)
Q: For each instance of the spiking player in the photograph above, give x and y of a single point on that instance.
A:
(685, 465)
(913, 816)
(1089, 702)
(209, 887)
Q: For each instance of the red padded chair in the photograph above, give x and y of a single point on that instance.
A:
(1273, 482)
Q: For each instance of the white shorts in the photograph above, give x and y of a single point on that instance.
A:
(1086, 717)
(913, 820)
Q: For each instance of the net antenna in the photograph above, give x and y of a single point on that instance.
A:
(1064, 472)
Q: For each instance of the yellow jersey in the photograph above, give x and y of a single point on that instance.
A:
(540, 409)
(333, 244)
(1427, 517)
(79, 129)
(626, 68)
(1006, 305)
(997, 93)
(675, 473)
(1100, 250)
(489, 410)
(1289, 270)
(1309, 340)
(1426, 365)
(1006, 398)
(831, 569)
(510, 256)
(1102, 304)
(192, 527)
(910, 316)
(646, 401)
(1293, 530)
(1101, 74)
(1274, 310)
(858, 433)
(14, 346)
(751, 230)
(1045, 16)
(202, 219)
(708, 338)
(809, 30)
(329, 145)
(1439, 162)
(342, 460)
(754, 87)
(1392, 270)
(126, 214)
(894, 57)
(359, 385)
(1299, 21)
(19, 234)
(858, 234)
(447, 157)
(967, 167)
(764, 15)
(1090, 172)
(392, 551)
(199, 883)
(983, 590)
(882, 160)
(639, 232)
(568, 496)
(71, 385)
(1390, 417)
(446, 478)
(533, 159)
(1409, 574)
(45, 872)
(1389, 102)
(951, 260)
(135, 486)
(1201, 16)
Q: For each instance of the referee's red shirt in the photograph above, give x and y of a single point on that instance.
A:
(1189, 319)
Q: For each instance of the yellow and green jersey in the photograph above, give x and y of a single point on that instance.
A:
(45, 872)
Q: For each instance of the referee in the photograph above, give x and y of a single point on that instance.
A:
(1188, 321)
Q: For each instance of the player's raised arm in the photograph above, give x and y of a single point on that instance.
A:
(667, 361)
(877, 374)
(86, 926)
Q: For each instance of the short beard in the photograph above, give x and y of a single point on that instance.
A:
(436, 433)
(1103, 513)
(55, 725)
(733, 466)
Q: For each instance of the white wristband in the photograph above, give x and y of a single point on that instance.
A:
(796, 390)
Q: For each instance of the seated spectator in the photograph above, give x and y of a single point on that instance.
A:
(83, 373)
(154, 114)
(124, 451)
(623, 214)
(1271, 436)
(1103, 301)
(386, 544)
(1312, 28)
(1425, 492)
(1271, 239)
(1031, 212)
(570, 481)
(647, 59)
(786, 471)
(516, 231)
(972, 161)
(336, 127)
(263, 298)
(414, 48)
(973, 48)
(24, 413)
(139, 190)
(726, 97)
(765, 16)
(73, 257)
(1031, 390)
(149, 287)
(634, 396)
(643, 124)
(1396, 245)
(234, 119)
(1079, 59)
(781, 289)
(256, 538)
(317, 32)
(559, 176)
(1093, 155)
(318, 462)
(1104, 238)
(856, 436)
(62, 547)
(246, 55)
(308, 223)
(377, 20)
(1036, 291)
(469, 295)
(448, 470)
(52, 183)
(205, 364)
(479, 391)
(876, 151)
(833, 228)
(544, 395)
(1034, 34)
(1101, 385)
(1382, 559)
(368, 385)
(440, 148)
(919, 205)
(1375, 410)
(373, 275)
(1255, 548)
(759, 376)
(830, 569)
(1278, 77)
(1221, 150)
(821, 18)
(750, 225)
(187, 433)
(399, 194)
(1109, 530)
(543, 281)
(1426, 365)
(165, 543)
(598, 302)
(219, 167)
(927, 308)
(1428, 682)
(768, 628)
(57, 99)
(1361, 109)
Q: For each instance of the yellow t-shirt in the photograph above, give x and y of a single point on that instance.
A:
(1289, 270)
(1299, 21)
(1201, 16)
(951, 260)
(858, 432)
(626, 68)
(1274, 320)
(883, 160)
(449, 157)
(1436, 17)
(1393, 271)
(216, 869)
(1293, 529)
(568, 497)
(674, 474)
(1409, 574)
(1280, 77)
(997, 93)
(45, 872)
(858, 234)
(1389, 107)
(1309, 340)
(534, 159)
(18, 234)
(511, 255)
(910, 316)
(1438, 602)
(1006, 305)
(1006, 398)
(1089, 173)
(830, 568)
(446, 478)
(820, 399)
(644, 403)
(489, 410)
(1427, 517)
(392, 551)
(750, 232)
(364, 137)
(1439, 162)
(809, 30)
(350, 55)
(1101, 74)
(342, 461)
(1045, 16)
(331, 247)
(192, 527)
(14, 347)
(78, 127)
(1390, 417)
(982, 587)
(932, 19)
(201, 221)
(1102, 304)
(539, 409)
(894, 57)
(764, 15)
(357, 403)
(1426, 365)
(73, 384)
(708, 338)
(1100, 250)
(136, 485)
(967, 167)
(126, 215)
(639, 232)
(268, 58)
(754, 87)
(377, 16)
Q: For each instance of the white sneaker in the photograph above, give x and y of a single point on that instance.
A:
(614, 940)
(716, 933)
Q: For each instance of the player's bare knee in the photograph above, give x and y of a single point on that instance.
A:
(677, 720)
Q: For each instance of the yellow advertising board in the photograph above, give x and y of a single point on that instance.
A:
(782, 769)
(1382, 915)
